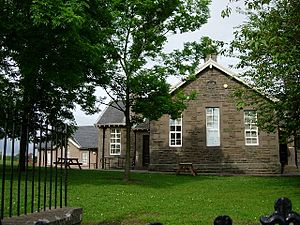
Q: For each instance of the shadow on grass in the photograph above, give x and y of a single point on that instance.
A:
(161, 180)
(153, 180)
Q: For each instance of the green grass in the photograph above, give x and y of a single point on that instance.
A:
(174, 200)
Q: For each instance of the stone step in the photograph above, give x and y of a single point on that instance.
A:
(291, 170)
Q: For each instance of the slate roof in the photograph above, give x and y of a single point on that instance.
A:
(142, 126)
(112, 116)
(210, 63)
(86, 137)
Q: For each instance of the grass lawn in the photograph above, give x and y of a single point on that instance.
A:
(173, 200)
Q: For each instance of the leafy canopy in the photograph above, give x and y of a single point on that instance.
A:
(51, 56)
(268, 47)
(138, 68)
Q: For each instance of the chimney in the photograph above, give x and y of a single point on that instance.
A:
(213, 56)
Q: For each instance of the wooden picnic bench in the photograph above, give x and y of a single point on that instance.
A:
(186, 167)
(69, 162)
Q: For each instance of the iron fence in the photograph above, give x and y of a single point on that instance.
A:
(32, 180)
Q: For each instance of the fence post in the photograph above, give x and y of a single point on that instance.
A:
(283, 214)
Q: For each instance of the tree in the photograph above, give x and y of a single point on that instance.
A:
(138, 33)
(51, 57)
(268, 47)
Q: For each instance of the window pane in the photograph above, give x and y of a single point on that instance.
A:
(212, 127)
(175, 129)
(251, 129)
(172, 135)
(115, 141)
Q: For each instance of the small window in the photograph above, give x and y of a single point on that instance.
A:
(251, 129)
(212, 127)
(115, 141)
(175, 132)
(84, 157)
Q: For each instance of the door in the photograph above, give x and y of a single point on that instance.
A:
(146, 154)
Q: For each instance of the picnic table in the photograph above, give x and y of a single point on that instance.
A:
(69, 162)
(186, 167)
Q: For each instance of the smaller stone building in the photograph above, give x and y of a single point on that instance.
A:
(112, 139)
(84, 146)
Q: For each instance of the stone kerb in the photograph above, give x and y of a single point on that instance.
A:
(61, 216)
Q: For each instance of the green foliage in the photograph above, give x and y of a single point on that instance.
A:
(136, 35)
(269, 49)
(51, 56)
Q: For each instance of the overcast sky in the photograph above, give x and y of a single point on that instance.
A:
(217, 28)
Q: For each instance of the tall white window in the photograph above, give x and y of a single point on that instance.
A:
(84, 157)
(115, 141)
(212, 127)
(175, 132)
(251, 129)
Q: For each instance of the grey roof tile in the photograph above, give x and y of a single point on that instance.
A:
(86, 137)
(112, 116)
(142, 126)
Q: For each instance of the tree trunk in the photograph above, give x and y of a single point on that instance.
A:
(128, 141)
(23, 141)
(29, 84)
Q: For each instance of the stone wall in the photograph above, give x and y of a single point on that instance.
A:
(136, 146)
(61, 216)
(214, 89)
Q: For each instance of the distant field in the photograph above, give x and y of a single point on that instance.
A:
(175, 200)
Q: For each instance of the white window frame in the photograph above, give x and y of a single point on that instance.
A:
(175, 132)
(115, 141)
(84, 158)
(212, 115)
(251, 128)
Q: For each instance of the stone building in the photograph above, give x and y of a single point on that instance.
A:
(211, 133)
(84, 146)
(112, 139)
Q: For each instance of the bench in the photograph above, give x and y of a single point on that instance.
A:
(69, 162)
(186, 167)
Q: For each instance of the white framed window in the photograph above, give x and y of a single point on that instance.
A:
(84, 158)
(175, 132)
(251, 129)
(115, 141)
(212, 127)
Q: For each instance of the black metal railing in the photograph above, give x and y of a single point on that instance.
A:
(31, 180)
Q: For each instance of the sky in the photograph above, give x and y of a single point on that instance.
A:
(217, 28)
